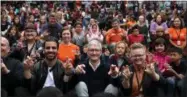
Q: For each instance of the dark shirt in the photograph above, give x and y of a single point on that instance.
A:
(181, 68)
(14, 78)
(54, 30)
(96, 81)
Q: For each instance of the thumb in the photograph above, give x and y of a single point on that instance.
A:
(146, 70)
(109, 73)
(82, 66)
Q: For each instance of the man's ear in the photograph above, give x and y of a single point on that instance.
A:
(8, 48)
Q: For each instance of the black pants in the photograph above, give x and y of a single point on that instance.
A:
(22, 92)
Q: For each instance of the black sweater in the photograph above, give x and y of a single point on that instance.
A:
(14, 78)
(95, 81)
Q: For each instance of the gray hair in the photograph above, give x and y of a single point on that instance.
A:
(95, 42)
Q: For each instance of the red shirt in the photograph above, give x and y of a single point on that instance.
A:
(135, 38)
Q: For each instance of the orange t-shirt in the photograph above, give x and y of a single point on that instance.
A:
(67, 51)
(178, 36)
(114, 35)
(131, 23)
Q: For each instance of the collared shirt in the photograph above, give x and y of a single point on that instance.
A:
(50, 79)
(94, 68)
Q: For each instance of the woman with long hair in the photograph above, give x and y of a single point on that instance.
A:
(178, 33)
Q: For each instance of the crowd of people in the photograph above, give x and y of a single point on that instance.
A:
(93, 49)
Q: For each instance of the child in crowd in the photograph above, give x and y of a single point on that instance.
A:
(160, 56)
(159, 34)
(84, 54)
(119, 57)
(79, 35)
(177, 70)
(136, 36)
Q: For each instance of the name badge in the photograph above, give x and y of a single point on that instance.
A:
(178, 42)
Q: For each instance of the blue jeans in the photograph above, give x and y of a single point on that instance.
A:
(171, 87)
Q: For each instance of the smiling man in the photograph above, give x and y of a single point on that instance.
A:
(141, 79)
(47, 72)
(93, 74)
(11, 69)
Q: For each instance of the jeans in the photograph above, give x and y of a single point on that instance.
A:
(171, 87)
(82, 90)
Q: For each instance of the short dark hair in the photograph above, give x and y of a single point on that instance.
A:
(78, 23)
(51, 38)
(175, 49)
(134, 27)
(115, 20)
(49, 92)
(160, 41)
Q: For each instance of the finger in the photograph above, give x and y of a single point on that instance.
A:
(126, 67)
(69, 66)
(148, 66)
(29, 58)
(146, 70)
(109, 73)
(67, 59)
(122, 68)
(113, 67)
(82, 70)
(82, 66)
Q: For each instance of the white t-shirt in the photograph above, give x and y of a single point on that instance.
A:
(50, 79)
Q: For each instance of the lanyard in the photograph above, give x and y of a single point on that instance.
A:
(138, 82)
(178, 34)
(30, 51)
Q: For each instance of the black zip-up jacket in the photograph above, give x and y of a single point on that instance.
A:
(39, 75)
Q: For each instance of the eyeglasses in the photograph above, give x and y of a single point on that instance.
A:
(92, 50)
(140, 55)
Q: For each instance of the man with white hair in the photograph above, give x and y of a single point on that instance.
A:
(11, 69)
(93, 75)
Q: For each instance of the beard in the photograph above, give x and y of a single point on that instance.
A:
(50, 58)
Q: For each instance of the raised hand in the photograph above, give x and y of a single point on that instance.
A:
(114, 71)
(126, 72)
(77, 53)
(4, 69)
(28, 63)
(150, 69)
(80, 69)
(68, 67)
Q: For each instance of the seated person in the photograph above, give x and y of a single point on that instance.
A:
(141, 79)
(47, 72)
(93, 75)
(177, 68)
(11, 70)
(119, 58)
(136, 36)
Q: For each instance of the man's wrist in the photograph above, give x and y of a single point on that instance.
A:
(155, 76)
